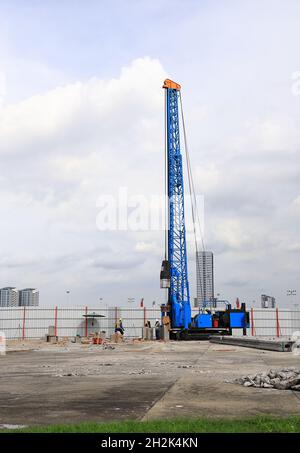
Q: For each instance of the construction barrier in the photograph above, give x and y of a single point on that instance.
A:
(34, 322)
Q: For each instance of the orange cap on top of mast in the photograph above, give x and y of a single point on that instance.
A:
(172, 85)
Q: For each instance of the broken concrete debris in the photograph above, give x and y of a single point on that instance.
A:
(107, 346)
(284, 379)
(142, 371)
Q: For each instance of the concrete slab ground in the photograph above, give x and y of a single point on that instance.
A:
(74, 383)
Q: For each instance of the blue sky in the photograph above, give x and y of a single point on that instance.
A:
(197, 41)
(80, 96)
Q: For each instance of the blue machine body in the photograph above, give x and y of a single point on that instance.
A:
(203, 320)
(238, 320)
(179, 295)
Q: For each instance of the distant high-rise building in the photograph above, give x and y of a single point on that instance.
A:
(9, 297)
(28, 297)
(205, 277)
(267, 301)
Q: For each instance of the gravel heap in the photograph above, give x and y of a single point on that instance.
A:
(284, 379)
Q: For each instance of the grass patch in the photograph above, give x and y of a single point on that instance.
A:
(261, 424)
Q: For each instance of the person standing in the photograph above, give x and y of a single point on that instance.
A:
(119, 327)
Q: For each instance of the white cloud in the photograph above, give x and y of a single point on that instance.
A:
(2, 87)
(62, 149)
(95, 108)
(296, 204)
(146, 247)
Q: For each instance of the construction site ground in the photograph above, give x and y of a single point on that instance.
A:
(44, 384)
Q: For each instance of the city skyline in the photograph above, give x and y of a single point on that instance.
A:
(10, 296)
(205, 277)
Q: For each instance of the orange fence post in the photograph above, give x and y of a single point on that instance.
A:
(23, 329)
(253, 332)
(278, 330)
(55, 322)
(86, 322)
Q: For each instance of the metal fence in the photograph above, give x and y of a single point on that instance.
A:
(274, 322)
(34, 322)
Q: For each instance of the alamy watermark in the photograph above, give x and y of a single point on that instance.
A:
(136, 212)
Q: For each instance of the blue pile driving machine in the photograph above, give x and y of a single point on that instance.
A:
(174, 270)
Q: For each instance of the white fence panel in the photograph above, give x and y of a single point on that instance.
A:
(33, 322)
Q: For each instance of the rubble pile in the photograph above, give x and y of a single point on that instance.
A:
(142, 371)
(284, 379)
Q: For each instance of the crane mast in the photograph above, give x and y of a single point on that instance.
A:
(174, 274)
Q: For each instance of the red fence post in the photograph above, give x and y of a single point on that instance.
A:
(86, 322)
(253, 332)
(23, 329)
(278, 330)
(55, 322)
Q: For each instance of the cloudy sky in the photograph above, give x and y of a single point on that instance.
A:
(81, 116)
